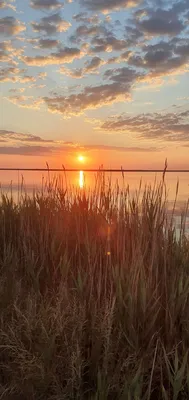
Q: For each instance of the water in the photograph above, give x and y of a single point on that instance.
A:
(35, 180)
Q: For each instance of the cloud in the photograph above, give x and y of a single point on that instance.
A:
(32, 145)
(123, 148)
(87, 19)
(93, 64)
(66, 55)
(119, 59)
(183, 50)
(21, 137)
(25, 150)
(42, 75)
(26, 79)
(51, 24)
(46, 4)
(124, 75)
(173, 126)
(118, 89)
(78, 73)
(13, 74)
(84, 31)
(161, 59)
(25, 101)
(48, 43)
(10, 26)
(8, 52)
(37, 86)
(2, 4)
(73, 73)
(18, 90)
(9, 74)
(6, 45)
(107, 43)
(5, 48)
(107, 5)
(25, 144)
(5, 4)
(133, 35)
(183, 98)
(157, 54)
(160, 22)
(100, 37)
(90, 98)
(45, 150)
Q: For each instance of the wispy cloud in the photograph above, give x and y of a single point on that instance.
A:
(13, 74)
(47, 43)
(31, 145)
(124, 149)
(172, 126)
(118, 89)
(21, 137)
(108, 5)
(46, 4)
(25, 101)
(65, 55)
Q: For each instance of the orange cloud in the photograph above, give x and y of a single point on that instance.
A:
(11, 26)
(66, 55)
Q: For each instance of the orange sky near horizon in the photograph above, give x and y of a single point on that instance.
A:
(110, 159)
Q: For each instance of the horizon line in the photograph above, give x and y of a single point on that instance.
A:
(93, 170)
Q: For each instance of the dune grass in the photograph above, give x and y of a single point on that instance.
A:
(94, 295)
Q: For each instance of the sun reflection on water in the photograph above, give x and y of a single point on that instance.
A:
(81, 179)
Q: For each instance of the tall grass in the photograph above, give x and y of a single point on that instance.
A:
(94, 295)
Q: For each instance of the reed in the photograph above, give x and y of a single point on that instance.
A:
(94, 294)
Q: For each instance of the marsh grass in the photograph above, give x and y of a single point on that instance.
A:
(94, 294)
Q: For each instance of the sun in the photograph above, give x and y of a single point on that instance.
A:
(81, 158)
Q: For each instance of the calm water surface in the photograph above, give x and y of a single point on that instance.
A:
(33, 181)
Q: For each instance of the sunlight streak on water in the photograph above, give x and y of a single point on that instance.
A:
(81, 179)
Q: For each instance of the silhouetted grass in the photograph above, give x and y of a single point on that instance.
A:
(94, 295)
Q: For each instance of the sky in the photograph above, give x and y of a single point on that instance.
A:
(106, 79)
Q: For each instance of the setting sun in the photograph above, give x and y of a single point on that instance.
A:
(81, 158)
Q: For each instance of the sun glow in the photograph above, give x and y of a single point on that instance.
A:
(81, 158)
